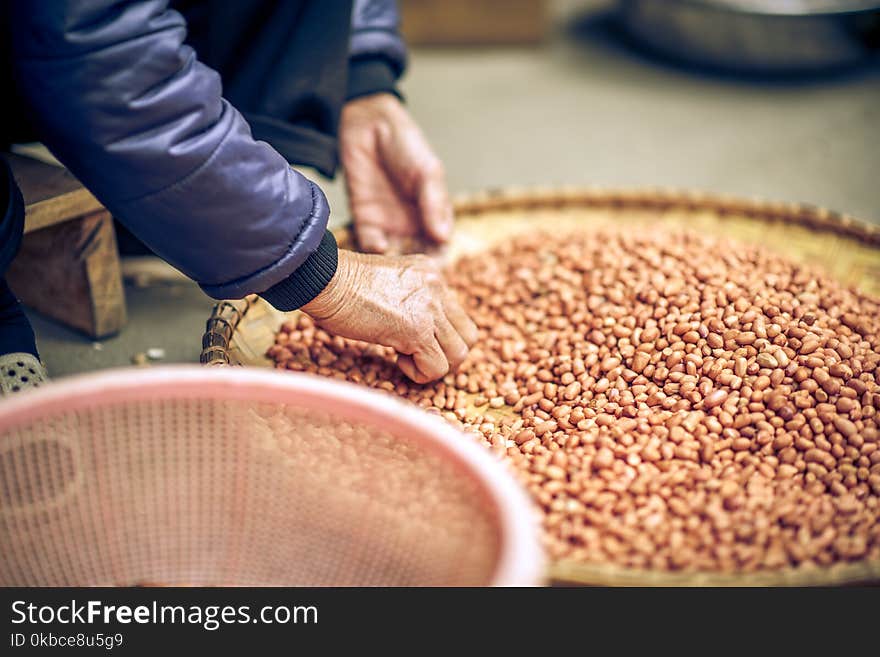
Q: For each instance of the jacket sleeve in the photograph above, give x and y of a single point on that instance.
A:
(377, 52)
(129, 109)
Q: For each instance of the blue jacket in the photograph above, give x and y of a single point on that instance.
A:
(127, 106)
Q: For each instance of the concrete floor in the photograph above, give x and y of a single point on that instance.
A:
(582, 109)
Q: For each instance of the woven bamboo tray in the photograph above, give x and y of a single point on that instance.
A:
(240, 332)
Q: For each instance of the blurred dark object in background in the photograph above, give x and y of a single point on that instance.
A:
(473, 22)
(758, 36)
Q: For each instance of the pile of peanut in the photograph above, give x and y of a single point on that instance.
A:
(671, 401)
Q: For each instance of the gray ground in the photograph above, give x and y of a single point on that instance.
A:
(582, 109)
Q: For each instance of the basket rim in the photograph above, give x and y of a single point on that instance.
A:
(663, 198)
(599, 574)
(520, 561)
(226, 316)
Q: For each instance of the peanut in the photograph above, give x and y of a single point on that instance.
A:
(671, 400)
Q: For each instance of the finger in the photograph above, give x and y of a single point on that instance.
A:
(371, 238)
(407, 366)
(454, 347)
(435, 206)
(430, 363)
(460, 320)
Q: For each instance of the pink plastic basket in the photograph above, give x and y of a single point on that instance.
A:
(214, 476)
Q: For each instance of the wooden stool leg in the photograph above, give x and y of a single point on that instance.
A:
(70, 272)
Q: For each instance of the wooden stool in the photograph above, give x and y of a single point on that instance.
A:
(68, 265)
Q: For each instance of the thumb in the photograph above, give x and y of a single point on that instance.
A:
(435, 207)
(371, 238)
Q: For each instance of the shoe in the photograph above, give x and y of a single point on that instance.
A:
(20, 371)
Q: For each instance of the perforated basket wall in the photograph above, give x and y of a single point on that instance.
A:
(196, 476)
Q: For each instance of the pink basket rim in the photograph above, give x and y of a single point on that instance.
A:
(521, 561)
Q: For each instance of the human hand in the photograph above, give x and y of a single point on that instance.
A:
(399, 302)
(396, 184)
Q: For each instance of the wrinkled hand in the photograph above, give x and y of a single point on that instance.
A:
(396, 184)
(399, 302)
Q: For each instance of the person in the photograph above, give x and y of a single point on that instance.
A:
(127, 95)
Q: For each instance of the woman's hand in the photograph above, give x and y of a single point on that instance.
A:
(396, 184)
(400, 302)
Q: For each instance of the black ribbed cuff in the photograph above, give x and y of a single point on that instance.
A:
(371, 75)
(308, 280)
